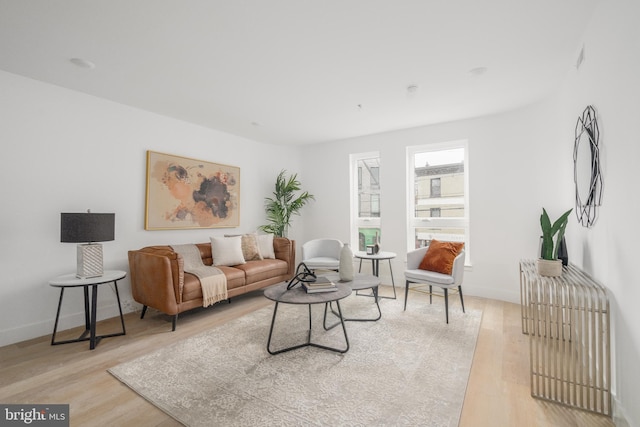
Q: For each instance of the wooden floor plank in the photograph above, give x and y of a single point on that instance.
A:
(34, 372)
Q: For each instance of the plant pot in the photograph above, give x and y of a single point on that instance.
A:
(549, 268)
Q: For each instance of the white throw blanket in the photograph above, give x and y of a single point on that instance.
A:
(212, 279)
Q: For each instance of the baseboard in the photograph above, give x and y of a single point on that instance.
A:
(68, 321)
(619, 414)
(507, 295)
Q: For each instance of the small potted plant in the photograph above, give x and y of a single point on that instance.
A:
(548, 263)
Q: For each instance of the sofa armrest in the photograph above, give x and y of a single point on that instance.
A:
(285, 250)
(157, 278)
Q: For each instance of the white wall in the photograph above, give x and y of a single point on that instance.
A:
(522, 161)
(608, 80)
(508, 188)
(64, 151)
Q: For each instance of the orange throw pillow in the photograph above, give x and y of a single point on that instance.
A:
(440, 255)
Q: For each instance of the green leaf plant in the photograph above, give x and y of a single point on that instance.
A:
(284, 204)
(549, 246)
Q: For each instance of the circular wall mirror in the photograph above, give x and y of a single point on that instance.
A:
(586, 167)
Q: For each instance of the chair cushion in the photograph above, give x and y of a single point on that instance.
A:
(322, 262)
(440, 256)
(424, 276)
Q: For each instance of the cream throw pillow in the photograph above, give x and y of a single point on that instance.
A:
(250, 249)
(227, 250)
(265, 244)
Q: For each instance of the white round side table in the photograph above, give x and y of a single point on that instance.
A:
(71, 281)
(375, 266)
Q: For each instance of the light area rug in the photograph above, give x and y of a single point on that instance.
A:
(408, 369)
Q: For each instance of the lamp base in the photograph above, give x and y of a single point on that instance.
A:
(89, 261)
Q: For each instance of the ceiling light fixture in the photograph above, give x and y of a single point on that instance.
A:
(412, 89)
(478, 71)
(83, 63)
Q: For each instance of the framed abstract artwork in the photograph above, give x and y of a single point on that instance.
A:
(189, 193)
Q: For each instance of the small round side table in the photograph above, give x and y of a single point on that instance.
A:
(71, 281)
(375, 266)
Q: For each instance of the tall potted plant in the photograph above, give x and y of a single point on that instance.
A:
(284, 204)
(552, 234)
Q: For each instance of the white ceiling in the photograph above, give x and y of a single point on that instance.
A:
(295, 71)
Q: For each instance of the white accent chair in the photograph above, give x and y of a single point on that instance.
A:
(415, 275)
(322, 254)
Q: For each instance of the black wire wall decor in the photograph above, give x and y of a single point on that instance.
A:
(586, 167)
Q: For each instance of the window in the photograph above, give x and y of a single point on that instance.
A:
(374, 173)
(438, 194)
(375, 205)
(365, 199)
(435, 187)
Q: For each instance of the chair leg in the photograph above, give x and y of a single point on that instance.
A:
(461, 300)
(144, 310)
(446, 304)
(430, 294)
(406, 293)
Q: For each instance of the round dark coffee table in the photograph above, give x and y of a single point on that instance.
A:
(298, 295)
(359, 283)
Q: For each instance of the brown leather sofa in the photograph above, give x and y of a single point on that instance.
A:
(158, 279)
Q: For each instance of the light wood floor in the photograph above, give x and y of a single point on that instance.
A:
(35, 372)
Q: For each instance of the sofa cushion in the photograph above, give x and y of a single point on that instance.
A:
(419, 276)
(193, 289)
(205, 253)
(227, 251)
(256, 271)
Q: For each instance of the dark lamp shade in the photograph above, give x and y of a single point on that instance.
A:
(87, 227)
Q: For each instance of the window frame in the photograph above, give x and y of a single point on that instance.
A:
(355, 185)
(414, 222)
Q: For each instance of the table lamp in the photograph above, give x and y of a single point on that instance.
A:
(87, 229)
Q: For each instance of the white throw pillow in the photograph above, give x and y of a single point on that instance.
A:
(250, 249)
(265, 244)
(227, 250)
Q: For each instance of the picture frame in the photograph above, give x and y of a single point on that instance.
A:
(183, 193)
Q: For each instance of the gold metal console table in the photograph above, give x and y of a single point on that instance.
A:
(567, 320)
